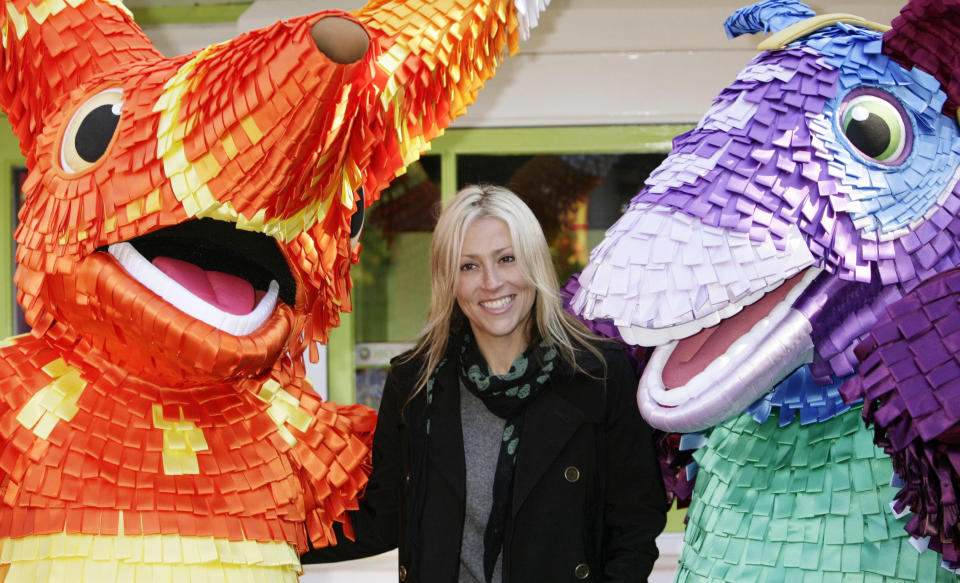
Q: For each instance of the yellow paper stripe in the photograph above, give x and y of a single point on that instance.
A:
(110, 224)
(284, 408)
(187, 185)
(98, 558)
(55, 402)
(153, 204)
(182, 440)
(12, 340)
(390, 62)
(19, 21)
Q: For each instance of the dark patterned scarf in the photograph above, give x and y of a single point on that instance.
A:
(506, 396)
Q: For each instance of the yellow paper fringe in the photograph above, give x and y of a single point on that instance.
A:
(155, 558)
(182, 440)
(189, 179)
(55, 402)
(284, 408)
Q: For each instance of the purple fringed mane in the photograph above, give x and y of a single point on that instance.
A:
(910, 383)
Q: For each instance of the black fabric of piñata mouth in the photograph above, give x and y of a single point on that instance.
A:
(220, 246)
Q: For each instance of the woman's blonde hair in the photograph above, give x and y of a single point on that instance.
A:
(554, 325)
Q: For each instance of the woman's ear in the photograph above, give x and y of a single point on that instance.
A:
(342, 40)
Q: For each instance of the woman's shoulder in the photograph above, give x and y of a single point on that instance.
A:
(402, 376)
(605, 353)
(407, 363)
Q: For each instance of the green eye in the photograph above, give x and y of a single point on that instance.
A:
(876, 126)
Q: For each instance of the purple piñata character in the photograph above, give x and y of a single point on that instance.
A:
(813, 209)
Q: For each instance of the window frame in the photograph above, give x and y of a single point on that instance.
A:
(624, 139)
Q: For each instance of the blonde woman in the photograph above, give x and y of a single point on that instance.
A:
(509, 447)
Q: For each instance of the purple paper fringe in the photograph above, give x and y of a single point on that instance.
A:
(909, 379)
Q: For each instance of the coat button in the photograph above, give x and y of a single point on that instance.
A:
(582, 571)
(572, 474)
(403, 573)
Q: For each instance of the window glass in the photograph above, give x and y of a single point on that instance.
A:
(392, 280)
(575, 197)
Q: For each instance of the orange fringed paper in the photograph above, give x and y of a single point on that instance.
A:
(93, 451)
(139, 439)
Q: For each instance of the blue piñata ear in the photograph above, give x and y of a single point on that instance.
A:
(766, 16)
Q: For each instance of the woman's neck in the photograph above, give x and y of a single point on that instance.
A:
(501, 351)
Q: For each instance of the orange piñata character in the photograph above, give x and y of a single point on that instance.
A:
(187, 233)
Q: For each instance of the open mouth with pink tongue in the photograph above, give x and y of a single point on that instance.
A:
(230, 293)
(693, 354)
(694, 383)
(210, 270)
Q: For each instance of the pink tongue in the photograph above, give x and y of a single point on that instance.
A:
(230, 293)
(694, 353)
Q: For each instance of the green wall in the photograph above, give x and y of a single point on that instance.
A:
(10, 158)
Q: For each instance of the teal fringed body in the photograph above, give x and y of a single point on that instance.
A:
(798, 504)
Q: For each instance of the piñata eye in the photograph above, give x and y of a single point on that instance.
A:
(876, 125)
(90, 132)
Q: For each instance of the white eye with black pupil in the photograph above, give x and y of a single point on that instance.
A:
(877, 127)
(90, 131)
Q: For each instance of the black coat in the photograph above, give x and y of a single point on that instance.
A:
(587, 501)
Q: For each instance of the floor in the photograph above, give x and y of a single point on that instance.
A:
(383, 568)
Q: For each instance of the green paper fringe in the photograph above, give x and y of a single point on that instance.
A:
(798, 504)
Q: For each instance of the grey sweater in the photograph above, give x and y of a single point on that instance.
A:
(482, 433)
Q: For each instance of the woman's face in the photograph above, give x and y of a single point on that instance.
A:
(492, 291)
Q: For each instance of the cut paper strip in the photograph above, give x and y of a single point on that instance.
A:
(779, 504)
(909, 380)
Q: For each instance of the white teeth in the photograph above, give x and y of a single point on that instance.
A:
(496, 304)
(775, 345)
(181, 298)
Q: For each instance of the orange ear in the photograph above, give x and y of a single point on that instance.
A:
(436, 57)
(49, 48)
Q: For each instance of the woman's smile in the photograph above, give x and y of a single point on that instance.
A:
(497, 305)
(492, 290)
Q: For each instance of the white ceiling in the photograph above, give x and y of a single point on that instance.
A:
(568, 25)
